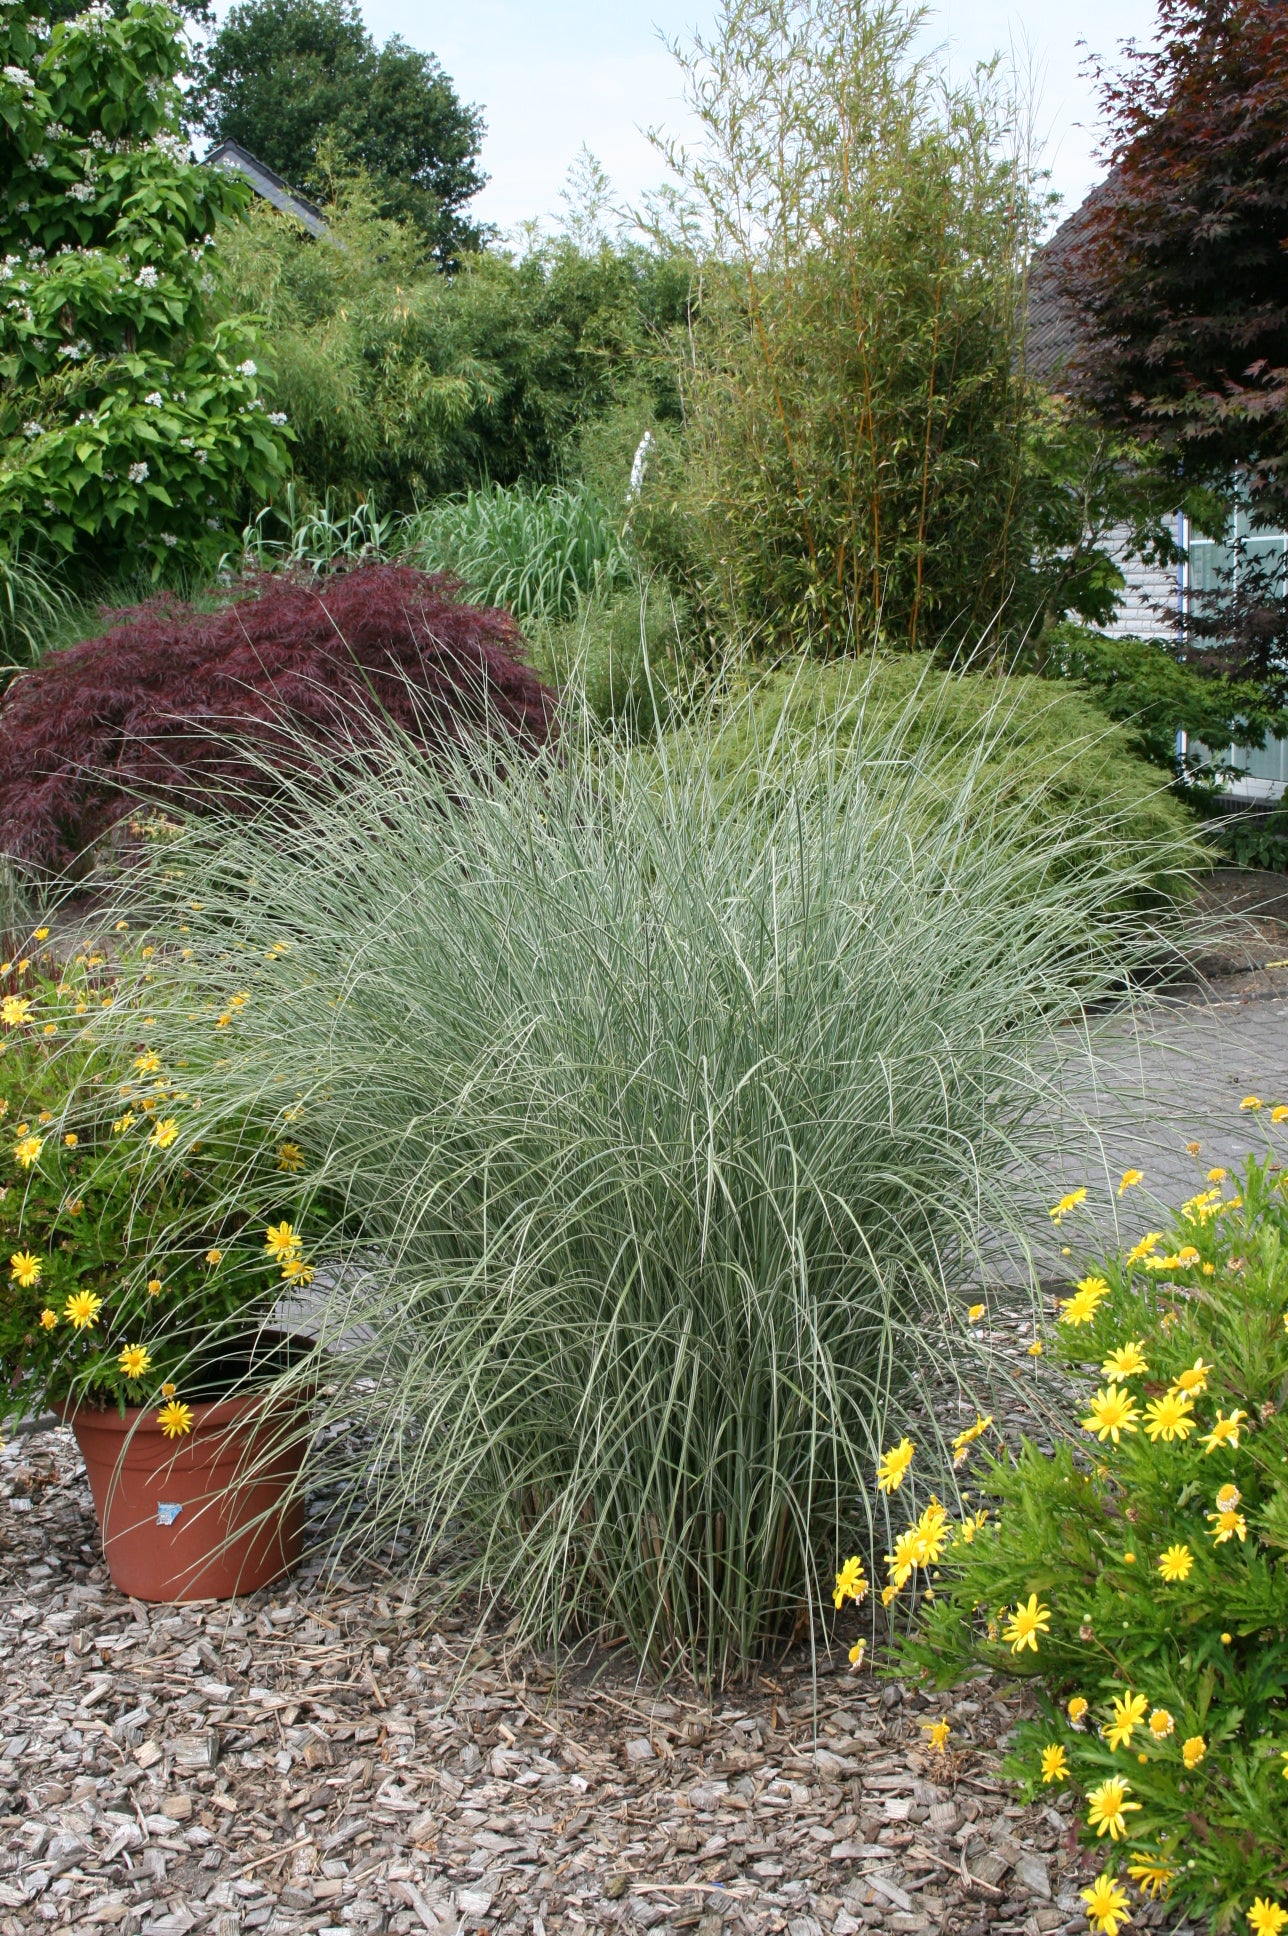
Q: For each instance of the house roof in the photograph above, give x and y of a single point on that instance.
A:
(231, 155)
(1056, 331)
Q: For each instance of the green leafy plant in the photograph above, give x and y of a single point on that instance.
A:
(298, 81)
(538, 552)
(402, 383)
(1148, 688)
(1136, 1576)
(130, 412)
(662, 1104)
(127, 1280)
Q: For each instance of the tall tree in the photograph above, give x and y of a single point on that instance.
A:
(1182, 269)
(302, 84)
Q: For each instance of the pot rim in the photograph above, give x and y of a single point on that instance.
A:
(205, 1411)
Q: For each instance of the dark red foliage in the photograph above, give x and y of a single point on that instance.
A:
(1180, 266)
(178, 706)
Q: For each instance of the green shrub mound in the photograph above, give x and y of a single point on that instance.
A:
(1019, 741)
(1146, 1559)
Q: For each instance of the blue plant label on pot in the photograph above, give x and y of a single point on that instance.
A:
(167, 1514)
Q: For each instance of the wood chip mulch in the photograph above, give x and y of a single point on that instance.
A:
(319, 1757)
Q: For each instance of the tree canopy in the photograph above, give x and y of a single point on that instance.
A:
(303, 85)
(1181, 272)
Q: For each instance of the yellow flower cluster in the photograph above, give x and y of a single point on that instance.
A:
(286, 1247)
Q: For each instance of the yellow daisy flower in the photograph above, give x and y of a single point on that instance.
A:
(1026, 1623)
(1108, 1808)
(1175, 1563)
(1150, 1874)
(1055, 1763)
(1125, 1361)
(850, 1583)
(134, 1360)
(281, 1241)
(890, 1468)
(1113, 1411)
(25, 1269)
(175, 1419)
(81, 1309)
(1070, 1201)
(1129, 1712)
(1106, 1906)
(1225, 1431)
(1169, 1417)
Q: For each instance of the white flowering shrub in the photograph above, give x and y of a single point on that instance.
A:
(130, 415)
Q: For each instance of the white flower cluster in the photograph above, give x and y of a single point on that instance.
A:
(147, 278)
(247, 368)
(93, 20)
(277, 417)
(172, 145)
(207, 285)
(55, 131)
(168, 539)
(33, 429)
(138, 473)
(82, 192)
(74, 352)
(38, 161)
(19, 77)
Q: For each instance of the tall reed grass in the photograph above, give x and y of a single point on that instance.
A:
(538, 552)
(660, 1112)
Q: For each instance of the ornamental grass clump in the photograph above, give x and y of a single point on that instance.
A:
(1137, 1576)
(663, 1114)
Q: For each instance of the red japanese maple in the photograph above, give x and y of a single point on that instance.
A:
(176, 706)
(1180, 262)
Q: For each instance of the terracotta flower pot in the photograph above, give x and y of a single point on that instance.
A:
(202, 1517)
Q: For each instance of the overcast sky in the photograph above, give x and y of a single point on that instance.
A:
(552, 74)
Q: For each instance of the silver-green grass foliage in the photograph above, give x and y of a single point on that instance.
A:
(655, 1114)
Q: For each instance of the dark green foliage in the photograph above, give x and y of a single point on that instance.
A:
(302, 84)
(405, 383)
(1150, 691)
